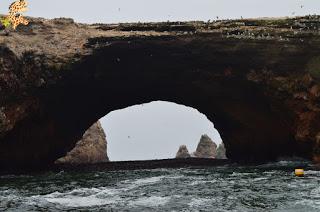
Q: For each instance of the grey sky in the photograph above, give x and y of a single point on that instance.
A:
(162, 10)
(156, 130)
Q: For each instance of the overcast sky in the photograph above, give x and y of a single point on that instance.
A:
(111, 11)
(156, 130)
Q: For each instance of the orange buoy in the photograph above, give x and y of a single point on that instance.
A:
(299, 172)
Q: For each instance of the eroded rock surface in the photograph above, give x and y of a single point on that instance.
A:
(206, 148)
(92, 148)
(257, 80)
(221, 152)
(183, 152)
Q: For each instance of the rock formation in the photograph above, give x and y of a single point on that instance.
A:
(92, 148)
(206, 148)
(257, 80)
(183, 152)
(316, 156)
(221, 152)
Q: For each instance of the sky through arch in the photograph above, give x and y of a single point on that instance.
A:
(154, 130)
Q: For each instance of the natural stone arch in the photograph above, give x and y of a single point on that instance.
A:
(246, 86)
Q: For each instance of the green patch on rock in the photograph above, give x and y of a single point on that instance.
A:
(313, 67)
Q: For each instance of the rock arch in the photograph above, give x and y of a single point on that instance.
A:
(253, 85)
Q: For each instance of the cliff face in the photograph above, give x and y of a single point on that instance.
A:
(257, 80)
(92, 148)
(221, 152)
(206, 148)
(183, 152)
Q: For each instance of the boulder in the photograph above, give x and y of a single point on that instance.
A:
(221, 152)
(183, 152)
(206, 148)
(92, 148)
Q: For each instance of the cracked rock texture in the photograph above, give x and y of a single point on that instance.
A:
(92, 148)
(206, 148)
(183, 152)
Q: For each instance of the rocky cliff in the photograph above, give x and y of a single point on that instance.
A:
(221, 152)
(256, 80)
(206, 148)
(183, 152)
(92, 148)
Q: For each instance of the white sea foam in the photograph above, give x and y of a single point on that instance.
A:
(174, 176)
(236, 174)
(84, 197)
(9, 197)
(312, 173)
(198, 202)
(270, 172)
(149, 180)
(312, 200)
(197, 182)
(132, 184)
(9, 194)
(152, 201)
(308, 202)
(74, 201)
(259, 179)
(315, 193)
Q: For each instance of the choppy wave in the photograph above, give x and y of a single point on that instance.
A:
(227, 188)
(153, 201)
(84, 197)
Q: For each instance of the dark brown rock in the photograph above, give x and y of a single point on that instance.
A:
(242, 74)
(316, 156)
(92, 148)
(315, 91)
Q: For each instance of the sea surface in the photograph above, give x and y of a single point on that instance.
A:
(269, 187)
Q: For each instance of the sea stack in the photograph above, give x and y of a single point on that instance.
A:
(183, 152)
(221, 152)
(92, 148)
(206, 148)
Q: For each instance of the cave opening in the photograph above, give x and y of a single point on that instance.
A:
(155, 130)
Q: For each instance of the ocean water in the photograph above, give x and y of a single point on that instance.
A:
(269, 187)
